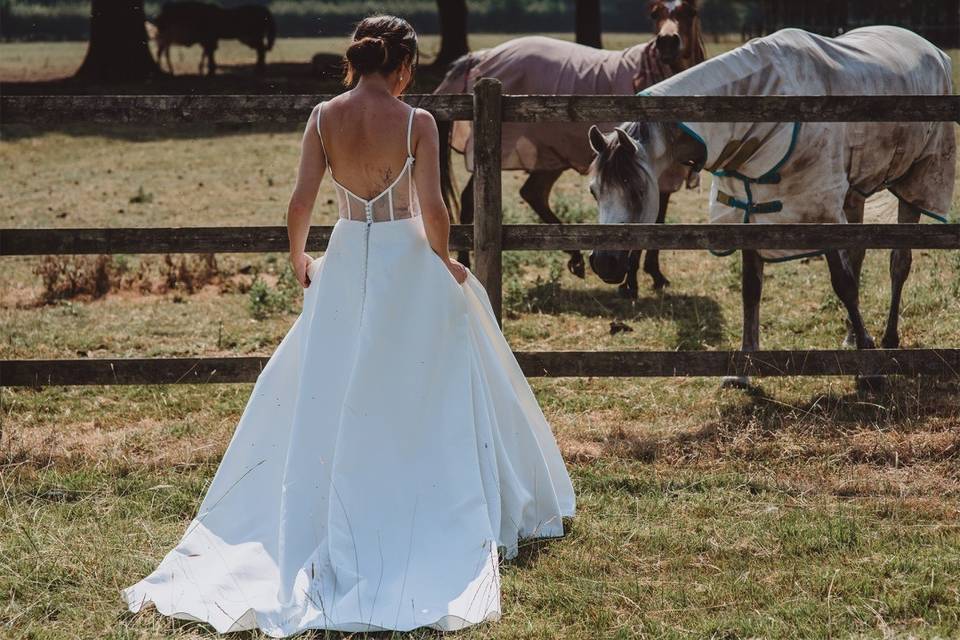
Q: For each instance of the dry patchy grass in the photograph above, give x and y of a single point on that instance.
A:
(801, 509)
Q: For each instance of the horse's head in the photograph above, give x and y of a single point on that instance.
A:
(623, 182)
(677, 26)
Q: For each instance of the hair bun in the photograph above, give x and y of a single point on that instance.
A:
(380, 44)
(368, 53)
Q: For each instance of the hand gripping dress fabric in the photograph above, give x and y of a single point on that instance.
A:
(390, 455)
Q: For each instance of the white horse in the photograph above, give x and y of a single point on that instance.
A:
(792, 172)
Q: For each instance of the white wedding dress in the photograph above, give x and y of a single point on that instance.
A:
(390, 455)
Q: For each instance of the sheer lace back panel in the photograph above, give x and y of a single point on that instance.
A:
(397, 201)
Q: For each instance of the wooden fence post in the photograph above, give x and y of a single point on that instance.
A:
(488, 212)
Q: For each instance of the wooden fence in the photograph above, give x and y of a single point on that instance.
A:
(488, 237)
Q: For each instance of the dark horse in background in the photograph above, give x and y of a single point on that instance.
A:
(540, 65)
(190, 23)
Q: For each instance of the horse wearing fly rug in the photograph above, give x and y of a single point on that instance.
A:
(806, 172)
(541, 65)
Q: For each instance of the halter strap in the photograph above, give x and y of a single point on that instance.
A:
(322, 148)
(409, 130)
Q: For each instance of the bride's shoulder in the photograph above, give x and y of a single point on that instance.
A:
(424, 126)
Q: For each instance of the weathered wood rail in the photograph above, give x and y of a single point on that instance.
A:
(95, 371)
(488, 237)
(286, 109)
(260, 239)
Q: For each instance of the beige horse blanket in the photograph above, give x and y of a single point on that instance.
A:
(801, 172)
(538, 65)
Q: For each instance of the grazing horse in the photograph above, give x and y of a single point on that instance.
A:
(188, 23)
(806, 172)
(540, 65)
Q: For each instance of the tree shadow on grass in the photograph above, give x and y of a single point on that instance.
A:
(903, 403)
(913, 420)
(699, 319)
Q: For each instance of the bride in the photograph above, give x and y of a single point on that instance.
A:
(391, 453)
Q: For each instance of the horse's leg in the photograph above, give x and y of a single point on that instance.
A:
(853, 210)
(845, 286)
(466, 217)
(261, 59)
(630, 288)
(651, 262)
(751, 290)
(536, 193)
(900, 262)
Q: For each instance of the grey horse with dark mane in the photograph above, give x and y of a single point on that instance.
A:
(810, 172)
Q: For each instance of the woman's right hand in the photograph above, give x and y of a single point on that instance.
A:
(457, 270)
(301, 263)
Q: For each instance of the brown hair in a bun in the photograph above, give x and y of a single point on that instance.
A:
(380, 44)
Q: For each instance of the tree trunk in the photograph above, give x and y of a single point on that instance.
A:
(587, 18)
(118, 50)
(453, 31)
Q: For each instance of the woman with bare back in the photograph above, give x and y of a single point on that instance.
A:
(392, 453)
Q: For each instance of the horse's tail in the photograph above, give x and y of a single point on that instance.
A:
(447, 187)
(271, 29)
(454, 81)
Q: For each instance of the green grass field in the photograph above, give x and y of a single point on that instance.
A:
(800, 509)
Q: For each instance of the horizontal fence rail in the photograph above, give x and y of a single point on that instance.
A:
(256, 109)
(114, 371)
(25, 242)
(488, 110)
(207, 109)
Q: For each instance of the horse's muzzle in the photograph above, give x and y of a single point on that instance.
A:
(610, 266)
(668, 46)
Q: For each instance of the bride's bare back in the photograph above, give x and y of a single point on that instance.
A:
(375, 189)
(365, 140)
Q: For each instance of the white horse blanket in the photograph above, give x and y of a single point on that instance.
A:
(801, 172)
(538, 65)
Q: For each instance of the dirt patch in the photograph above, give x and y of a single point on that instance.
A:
(145, 443)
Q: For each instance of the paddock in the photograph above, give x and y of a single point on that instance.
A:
(794, 508)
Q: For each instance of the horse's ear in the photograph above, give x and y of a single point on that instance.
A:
(597, 142)
(625, 139)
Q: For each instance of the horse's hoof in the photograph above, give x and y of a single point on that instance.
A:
(870, 384)
(576, 267)
(890, 343)
(735, 382)
(849, 342)
(659, 283)
(626, 291)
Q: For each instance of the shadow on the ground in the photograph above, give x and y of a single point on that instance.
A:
(912, 420)
(699, 319)
(530, 550)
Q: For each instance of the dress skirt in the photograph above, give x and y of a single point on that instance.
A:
(390, 455)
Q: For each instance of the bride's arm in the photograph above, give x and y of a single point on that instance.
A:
(312, 168)
(426, 175)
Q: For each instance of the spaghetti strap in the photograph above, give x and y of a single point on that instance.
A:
(322, 147)
(409, 130)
